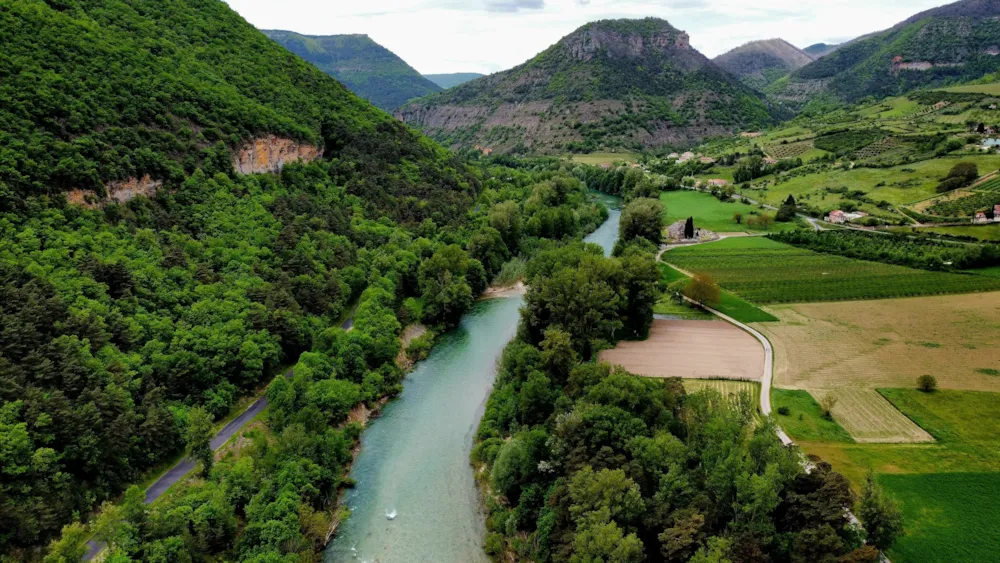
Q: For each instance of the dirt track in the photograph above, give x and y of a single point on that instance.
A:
(691, 349)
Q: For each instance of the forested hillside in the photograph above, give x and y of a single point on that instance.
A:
(611, 84)
(148, 282)
(947, 45)
(451, 80)
(367, 68)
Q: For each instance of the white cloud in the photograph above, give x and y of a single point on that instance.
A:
(490, 35)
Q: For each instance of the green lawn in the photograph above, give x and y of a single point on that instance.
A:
(992, 89)
(764, 271)
(993, 272)
(951, 416)
(599, 158)
(729, 304)
(948, 516)
(712, 214)
(804, 421)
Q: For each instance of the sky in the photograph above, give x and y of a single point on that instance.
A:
(485, 36)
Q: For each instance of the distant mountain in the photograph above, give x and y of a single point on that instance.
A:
(760, 63)
(948, 45)
(610, 84)
(451, 80)
(365, 67)
(820, 50)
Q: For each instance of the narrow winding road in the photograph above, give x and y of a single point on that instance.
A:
(176, 473)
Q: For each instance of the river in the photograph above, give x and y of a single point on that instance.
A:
(414, 459)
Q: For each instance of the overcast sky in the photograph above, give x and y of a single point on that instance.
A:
(442, 36)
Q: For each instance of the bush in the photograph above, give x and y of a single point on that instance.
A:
(784, 411)
(927, 383)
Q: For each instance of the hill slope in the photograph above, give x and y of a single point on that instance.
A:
(760, 63)
(610, 84)
(451, 80)
(120, 313)
(367, 68)
(947, 45)
(820, 50)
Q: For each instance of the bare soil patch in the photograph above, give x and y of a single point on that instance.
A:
(691, 349)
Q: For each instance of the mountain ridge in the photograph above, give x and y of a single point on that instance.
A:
(760, 63)
(365, 67)
(609, 84)
(453, 79)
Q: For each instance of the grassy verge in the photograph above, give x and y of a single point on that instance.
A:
(805, 421)
(729, 304)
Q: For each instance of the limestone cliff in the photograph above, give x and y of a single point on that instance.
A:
(121, 191)
(610, 84)
(271, 154)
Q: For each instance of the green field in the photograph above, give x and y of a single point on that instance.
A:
(804, 421)
(898, 185)
(991, 89)
(949, 490)
(981, 232)
(712, 214)
(993, 272)
(598, 158)
(729, 304)
(764, 271)
(948, 516)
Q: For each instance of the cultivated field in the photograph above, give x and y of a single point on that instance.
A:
(712, 214)
(692, 350)
(765, 271)
(981, 232)
(729, 304)
(887, 343)
(725, 387)
(870, 419)
(599, 158)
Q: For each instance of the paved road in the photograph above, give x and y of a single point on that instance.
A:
(179, 471)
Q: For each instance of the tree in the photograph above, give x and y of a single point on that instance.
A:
(199, 438)
(689, 228)
(829, 402)
(880, 514)
(765, 221)
(738, 218)
(446, 291)
(71, 546)
(703, 290)
(642, 218)
(927, 383)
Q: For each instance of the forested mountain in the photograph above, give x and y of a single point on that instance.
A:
(147, 279)
(451, 80)
(820, 50)
(616, 83)
(947, 45)
(367, 68)
(759, 63)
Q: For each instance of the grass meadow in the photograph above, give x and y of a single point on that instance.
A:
(729, 304)
(949, 490)
(712, 214)
(764, 271)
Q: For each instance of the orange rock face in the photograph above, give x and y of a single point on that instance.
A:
(271, 154)
(119, 190)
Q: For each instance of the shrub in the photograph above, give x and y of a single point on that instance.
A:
(927, 383)
(828, 403)
(784, 411)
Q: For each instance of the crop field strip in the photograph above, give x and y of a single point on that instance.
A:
(870, 419)
(729, 389)
(765, 271)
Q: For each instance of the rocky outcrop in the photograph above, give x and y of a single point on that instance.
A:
(271, 154)
(120, 191)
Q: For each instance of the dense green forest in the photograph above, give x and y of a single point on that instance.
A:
(904, 250)
(367, 68)
(127, 327)
(588, 463)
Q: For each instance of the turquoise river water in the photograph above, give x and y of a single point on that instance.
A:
(414, 459)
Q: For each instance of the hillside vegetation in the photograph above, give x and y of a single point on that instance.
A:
(618, 83)
(951, 44)
(759, 63)
(451, 80)
(365, 67)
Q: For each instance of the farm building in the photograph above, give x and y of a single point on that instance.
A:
(707, 160)
(718, 183)
(770, 161)
(673, 156)
(836, 217)
(980, 218)
(686, 157)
